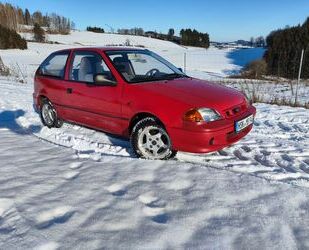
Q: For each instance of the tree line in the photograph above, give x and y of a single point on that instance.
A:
(15, 18)
(95, 29)
(284, 51)
(187, 37)
(194, 38)
(18, 20)
(257, 42)
(133, 31)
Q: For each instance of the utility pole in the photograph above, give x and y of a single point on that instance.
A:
(299, 73)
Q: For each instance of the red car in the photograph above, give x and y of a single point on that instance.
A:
(137, 94)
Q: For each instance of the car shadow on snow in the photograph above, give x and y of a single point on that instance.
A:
(8, 120)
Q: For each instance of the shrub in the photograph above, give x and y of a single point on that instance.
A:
(9, 39)
(38, 33)
(255, 69)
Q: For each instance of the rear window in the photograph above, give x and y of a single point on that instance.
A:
(54, 65)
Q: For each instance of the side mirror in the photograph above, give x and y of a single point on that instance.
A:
(180, 69)
(101, 80)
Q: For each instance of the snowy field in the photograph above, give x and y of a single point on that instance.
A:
(76, 188)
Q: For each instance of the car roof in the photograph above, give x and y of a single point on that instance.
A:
(111, 48)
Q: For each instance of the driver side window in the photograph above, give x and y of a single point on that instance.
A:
(86, 65)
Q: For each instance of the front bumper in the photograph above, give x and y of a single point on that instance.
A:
(201, 138)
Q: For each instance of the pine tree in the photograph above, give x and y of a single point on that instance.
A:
(170, 34)
(27, 17)
(38, 33)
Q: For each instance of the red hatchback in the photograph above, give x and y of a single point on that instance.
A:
(137, 94)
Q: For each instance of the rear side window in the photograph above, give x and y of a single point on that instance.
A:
(54, 65)
(86, 65)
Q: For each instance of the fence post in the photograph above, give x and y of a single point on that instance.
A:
(299, 74)
(185, 62)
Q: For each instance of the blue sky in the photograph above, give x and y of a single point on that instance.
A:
(224, 20)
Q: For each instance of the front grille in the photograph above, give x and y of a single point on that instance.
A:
(236, 110)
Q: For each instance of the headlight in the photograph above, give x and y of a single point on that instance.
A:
(202, 114)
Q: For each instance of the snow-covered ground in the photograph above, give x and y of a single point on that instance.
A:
(76, 188)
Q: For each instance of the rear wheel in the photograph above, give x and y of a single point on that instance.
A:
(49, 115)
(150, 140)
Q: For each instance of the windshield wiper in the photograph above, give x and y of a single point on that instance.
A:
(161, 78)
(173, 76)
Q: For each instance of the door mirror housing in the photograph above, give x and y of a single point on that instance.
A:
(102, 80)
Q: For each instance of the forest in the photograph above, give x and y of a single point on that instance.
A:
(284, 48)
(17, 19)
(194, 38)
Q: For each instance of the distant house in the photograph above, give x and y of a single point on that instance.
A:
(154, 34)
(243, 43)
(151, 34)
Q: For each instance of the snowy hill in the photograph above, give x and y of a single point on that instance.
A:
(85, 38)
(202, 63)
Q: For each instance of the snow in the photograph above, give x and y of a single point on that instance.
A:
(48, 246)
(219, 209)
(5, 206)
(81, 188)
(147, 198)
(58, 214)
(78, 188)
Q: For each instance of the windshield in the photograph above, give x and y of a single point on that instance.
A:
(142, 66)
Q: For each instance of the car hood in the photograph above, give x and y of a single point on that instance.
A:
(196, 93)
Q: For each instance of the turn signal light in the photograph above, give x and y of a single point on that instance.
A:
(193, 116)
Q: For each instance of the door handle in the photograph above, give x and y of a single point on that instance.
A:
(69, 91)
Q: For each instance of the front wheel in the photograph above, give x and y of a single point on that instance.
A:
(49, 115)
(150, 140)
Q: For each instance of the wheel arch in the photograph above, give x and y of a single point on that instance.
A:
(141, 115)
(40, 100)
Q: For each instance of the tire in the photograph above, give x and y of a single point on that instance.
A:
(149, 140)
(48, 115)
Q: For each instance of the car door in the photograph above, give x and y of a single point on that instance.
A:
(50, 78)
(90, 104)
